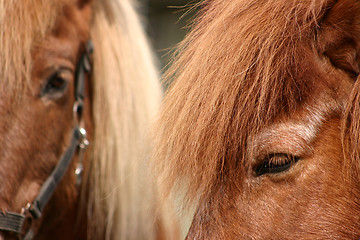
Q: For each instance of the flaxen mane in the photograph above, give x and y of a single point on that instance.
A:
(241, 66)
(126, 94)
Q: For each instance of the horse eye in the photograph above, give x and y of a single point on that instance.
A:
(56, 83)
(276, 163)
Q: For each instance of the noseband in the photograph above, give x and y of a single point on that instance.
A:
(20, 223)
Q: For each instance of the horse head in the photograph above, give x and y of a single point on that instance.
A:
(53, 89)
(260, 125)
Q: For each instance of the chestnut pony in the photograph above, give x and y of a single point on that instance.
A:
(260, 129)
(43, 56)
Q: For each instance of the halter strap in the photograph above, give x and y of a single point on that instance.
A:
(49, 186)
(12, 222)
(15, 222)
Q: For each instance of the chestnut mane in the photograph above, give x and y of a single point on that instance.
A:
(240, 67)
(117, 186)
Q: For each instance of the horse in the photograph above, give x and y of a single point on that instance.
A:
(62, 94)
(258, 136)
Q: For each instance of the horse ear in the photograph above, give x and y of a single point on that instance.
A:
(339, 36)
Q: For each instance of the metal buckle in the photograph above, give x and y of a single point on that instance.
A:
(29, 216)
(77, 111)
(83, 144)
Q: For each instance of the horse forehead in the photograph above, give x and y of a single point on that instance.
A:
(18, 42)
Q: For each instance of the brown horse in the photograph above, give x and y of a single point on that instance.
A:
(50, 95)
(260, 128)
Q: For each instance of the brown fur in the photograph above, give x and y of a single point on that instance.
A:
(248, 73)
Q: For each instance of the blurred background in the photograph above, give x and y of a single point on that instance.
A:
(166, 24)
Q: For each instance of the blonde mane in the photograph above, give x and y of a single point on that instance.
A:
(126, 96)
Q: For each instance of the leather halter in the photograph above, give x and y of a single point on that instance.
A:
(20, 223)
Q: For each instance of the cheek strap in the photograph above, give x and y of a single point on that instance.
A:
(20, 224)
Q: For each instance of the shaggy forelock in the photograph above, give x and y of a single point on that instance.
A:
(236, 71)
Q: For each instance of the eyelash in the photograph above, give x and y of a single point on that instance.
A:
(276, 163)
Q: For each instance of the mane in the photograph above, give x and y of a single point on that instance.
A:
(236, 71)
(126, 95)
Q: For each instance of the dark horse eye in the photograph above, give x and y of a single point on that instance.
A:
(55, 84)
(276, 163)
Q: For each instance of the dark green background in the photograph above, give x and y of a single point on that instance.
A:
(166, 24)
